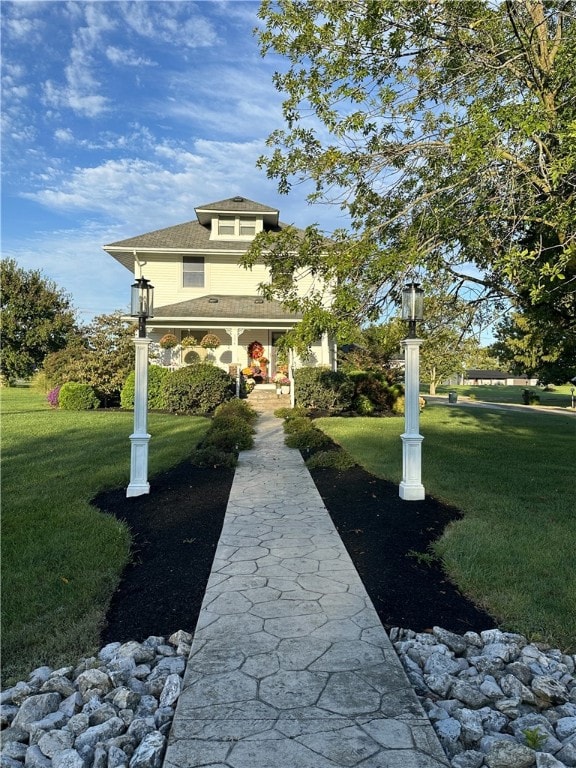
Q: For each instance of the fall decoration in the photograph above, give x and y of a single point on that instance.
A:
(168, 341)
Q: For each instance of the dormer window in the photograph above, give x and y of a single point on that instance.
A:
(230, 227)
(248, 227)
(226, 225)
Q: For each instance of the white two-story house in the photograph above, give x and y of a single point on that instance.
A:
(200, 287)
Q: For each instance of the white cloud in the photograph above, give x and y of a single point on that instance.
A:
(170, 22)
(22, 28)
(128, 58)
(165, 188)
(64, 135)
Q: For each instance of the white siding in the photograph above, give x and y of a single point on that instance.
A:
(222, 275)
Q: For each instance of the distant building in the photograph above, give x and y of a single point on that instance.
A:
(487, 376)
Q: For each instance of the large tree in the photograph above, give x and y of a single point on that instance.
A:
(447, 131)
(37, 318)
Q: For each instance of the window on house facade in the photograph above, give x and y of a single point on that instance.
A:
(193, 272)
(226, 225)
(248, 227)
(229, 227)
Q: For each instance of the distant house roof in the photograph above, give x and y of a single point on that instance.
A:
(223, 307)
(484, 373)
(195, 235)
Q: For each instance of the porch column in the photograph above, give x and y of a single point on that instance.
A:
(291, 363)
(325, 347)
(235, 333)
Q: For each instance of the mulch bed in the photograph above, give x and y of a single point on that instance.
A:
(176, 528)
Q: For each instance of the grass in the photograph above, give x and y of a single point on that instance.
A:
(494, 393)
(511, 474)
(61, 558)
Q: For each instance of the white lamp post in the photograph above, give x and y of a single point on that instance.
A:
(142, 307)
(411, 488)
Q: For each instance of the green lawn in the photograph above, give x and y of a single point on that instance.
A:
(61, 559)
(494, 393)
(512, 474)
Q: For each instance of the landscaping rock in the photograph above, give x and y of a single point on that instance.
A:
(511, 702)
(100, 714)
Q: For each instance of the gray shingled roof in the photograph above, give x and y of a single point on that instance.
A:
(238, 203)
(221, 306)
(195, 235)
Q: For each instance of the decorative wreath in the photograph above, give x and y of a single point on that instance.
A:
(255, 350)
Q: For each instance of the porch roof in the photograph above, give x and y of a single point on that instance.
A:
(223, 307)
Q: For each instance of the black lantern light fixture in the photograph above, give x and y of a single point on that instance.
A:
(412, 306)
(142, 303)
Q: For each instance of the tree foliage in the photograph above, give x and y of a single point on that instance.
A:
(527, 347)
(37, 318)
(446, 130)
(101, 355)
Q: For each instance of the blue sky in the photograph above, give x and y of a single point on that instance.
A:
(119, 118)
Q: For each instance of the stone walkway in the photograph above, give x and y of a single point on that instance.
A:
(290, 665)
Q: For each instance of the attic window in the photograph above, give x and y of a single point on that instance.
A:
(226, 225)
(212, 300)
(248, 226)
(238, 199)
(231, 226)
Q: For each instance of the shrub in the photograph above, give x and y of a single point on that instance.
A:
(339, 460)
(373, 389)
(297, 424)
(77, 397)
(237, 408)
(363, 405)
(53, 397)
(229, 433)
(198, 389)
(308, 441)
(323, 388)
(211, 456)
(290, 413)
(40, 382)
(156, 400)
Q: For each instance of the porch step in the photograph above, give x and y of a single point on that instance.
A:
(264, 397)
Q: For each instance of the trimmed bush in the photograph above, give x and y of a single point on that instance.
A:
(237, 409)
(197, 389)
(290, 413)
(324, 389)
(156, 376)
(297, 424)
(339, 460)
(308, 441)
(230, 433)
(211, 456)
(77, 397)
